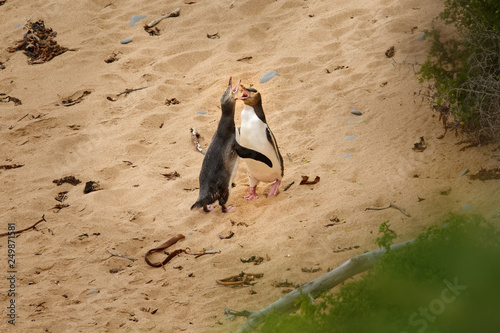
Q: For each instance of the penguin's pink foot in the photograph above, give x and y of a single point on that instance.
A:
(208, 208)
(229, 209)
(274, 188)
(252, 195)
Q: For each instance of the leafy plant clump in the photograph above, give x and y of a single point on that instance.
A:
(466, 71)
(445, 281)
(388, 235)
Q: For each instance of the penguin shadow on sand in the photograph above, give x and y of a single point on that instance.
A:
(221, 159)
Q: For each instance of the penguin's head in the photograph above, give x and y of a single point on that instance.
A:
(250, 96)
(231, 93)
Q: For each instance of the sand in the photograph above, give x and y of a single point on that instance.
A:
(330, 57)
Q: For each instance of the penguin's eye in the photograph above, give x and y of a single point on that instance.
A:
(252, 90)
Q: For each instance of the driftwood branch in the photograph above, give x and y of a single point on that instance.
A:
(173, 13)
(315, 287)
(194, 137)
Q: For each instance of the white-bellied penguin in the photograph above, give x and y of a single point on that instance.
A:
(256, 134)
(221, 160)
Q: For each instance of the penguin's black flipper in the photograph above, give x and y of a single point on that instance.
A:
(255, 155)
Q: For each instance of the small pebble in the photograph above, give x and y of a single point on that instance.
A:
(350, 137)
(17, 26)
(126, 40)
(356, 112)
(467, 207)
(268, 76)
(347, 155)
(496, 215)
(93, 291)
(464, 173)
(202, 112)
(422, 36)
(136, 18)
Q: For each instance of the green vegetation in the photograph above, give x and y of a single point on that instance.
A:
(445, 281)
(466, 71)
(387, 237)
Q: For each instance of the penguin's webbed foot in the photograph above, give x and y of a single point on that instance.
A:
(208, 208)
(252, 195)
(227, 209)
(274, 188)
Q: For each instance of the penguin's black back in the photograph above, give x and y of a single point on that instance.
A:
(219, 161)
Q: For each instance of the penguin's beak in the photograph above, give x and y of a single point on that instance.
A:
(244, 94)
(234, 90)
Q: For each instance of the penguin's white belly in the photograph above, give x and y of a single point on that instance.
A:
(253, 135)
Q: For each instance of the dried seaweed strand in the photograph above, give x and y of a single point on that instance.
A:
(22, 230)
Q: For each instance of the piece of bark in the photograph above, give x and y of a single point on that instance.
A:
(305, 180)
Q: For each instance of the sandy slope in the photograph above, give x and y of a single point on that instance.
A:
(138, 208)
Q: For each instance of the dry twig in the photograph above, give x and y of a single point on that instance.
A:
(22, 230)
(128, 91)
(288, 186)
(121, 256)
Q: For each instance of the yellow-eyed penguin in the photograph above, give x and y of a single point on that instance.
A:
(256, 134)
(221, 160)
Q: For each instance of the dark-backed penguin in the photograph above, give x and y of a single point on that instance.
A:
(256, 134)
(221, 160)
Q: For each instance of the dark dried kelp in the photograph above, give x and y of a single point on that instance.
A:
(39, 43)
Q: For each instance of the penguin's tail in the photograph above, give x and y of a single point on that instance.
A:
(197, 204)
